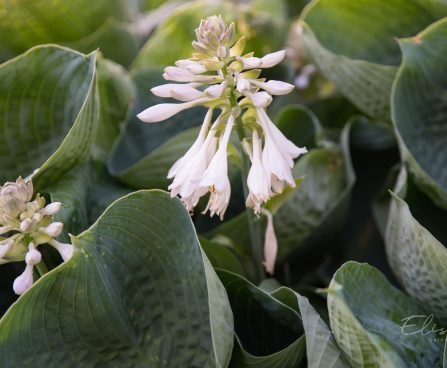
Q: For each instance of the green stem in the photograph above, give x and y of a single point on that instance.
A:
(41, 268)
(253, 221)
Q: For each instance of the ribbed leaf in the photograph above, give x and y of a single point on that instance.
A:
(353, 43)
(268, 332)
(415, 244)
(48, 113)
(76, 24)
(138, 292)
(419, 104)
(367, 315)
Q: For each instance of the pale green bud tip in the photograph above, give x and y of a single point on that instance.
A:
(214, 36)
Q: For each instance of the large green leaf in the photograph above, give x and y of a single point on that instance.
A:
(353, 44)
(268, 332)
(138, 292)
(419, 105)
(49, 113)
(76, 23)
(415, 244)
(177, 31)
(367, 317)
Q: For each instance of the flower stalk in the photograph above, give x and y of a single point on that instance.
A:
(220, 76)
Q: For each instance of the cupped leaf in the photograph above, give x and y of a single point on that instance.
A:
(177, 31)
(367, 317)
(268, 332)
(415, 244)
(76, 24)
(419, 103)
(137, 292)
(353, 44)
(49, 112)
(318, 208)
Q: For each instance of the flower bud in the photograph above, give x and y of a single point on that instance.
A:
(33, 257)
(24, 281)
(51, 209)
(65, 250)
(53, 229)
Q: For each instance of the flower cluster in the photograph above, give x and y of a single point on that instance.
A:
(24, 225)
(220, 76)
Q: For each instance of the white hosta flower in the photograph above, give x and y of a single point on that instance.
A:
(258, 182)
(24, 225)
(221, 76)
(216, 175)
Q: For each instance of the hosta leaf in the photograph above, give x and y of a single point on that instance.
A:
(222, 256)
(268, 332)
(116, 91)
(140, 142)
(367, 315)
(356, 49)
(321, 348)
(415, 244)
(77, 24)
(137, 292)
(318, 207)
(419, 104)
(152, 170)
(49, 113)
(177, 31)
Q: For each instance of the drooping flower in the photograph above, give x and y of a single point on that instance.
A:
(221, 77)
(26, 224)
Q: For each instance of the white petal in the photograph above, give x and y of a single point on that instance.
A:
(273, 59)
(243, 85)
(270, 245)
(25, 224)
(164, 111)
(5, 246)
(65, 250)
(251, 62)
(195, 147)
(24, 281)
(51, 209)
(275, 87)
(260, 99)
(53, 229)
(178, 74)
(33, 257)
(216, 90)
(164, 90)
(185, 92)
